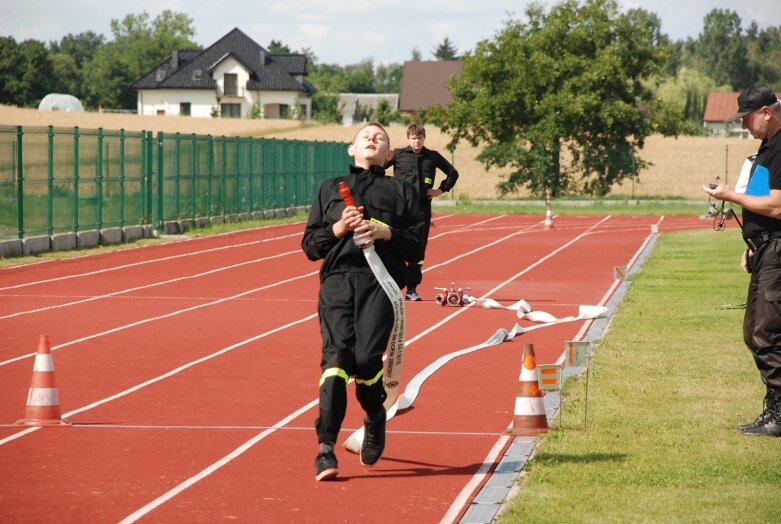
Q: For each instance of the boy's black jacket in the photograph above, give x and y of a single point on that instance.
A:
(385, 199)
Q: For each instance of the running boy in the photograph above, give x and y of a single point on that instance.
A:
(356, 316)
(418, 165)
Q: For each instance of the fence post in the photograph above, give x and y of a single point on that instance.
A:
(223, 173)
(75, 226)
(159, 143)
(177, 167)
(99, 181)
(19, 183)
(194, 175)
(150, 171)
(122, 177)
(237, 142)
(250, 173)
(50, 182)
(209, 173)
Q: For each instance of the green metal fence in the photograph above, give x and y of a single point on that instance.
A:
(57, 180)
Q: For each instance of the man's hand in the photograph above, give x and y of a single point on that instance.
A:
(744, 260)
(433, 193)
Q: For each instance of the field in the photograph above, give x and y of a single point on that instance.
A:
(679, 165)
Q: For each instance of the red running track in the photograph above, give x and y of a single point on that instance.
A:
(190, 372)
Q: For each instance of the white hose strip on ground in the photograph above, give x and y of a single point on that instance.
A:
(523, 311)
(394, 361)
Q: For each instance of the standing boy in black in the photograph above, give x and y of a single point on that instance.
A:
(356, 315)
(418, 165)
(760, 113)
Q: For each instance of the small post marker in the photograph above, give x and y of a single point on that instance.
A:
(576, 352)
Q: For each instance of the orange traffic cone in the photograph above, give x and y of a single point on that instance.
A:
(43, 400)
(548, 224)
(529, 415)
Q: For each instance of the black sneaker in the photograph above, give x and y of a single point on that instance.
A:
(373, 438)
(413, 295)
(326, 466)
(761, 420)
(771, 428)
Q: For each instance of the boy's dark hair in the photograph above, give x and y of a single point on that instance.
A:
(416, 130)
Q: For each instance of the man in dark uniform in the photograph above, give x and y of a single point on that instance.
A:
(356, 315)
(417, 165)
(760, 112)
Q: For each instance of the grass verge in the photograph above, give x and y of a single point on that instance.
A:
(668, 383)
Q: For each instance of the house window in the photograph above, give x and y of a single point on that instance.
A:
(231, 84)
(184, 108)
(230, 110)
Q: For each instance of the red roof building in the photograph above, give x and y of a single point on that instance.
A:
(424, 84)
(718, 108)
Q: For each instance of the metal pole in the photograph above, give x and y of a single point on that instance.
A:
(122, 177)
(76, 179)
(160, 181)
(99, 182)
(50, 184)
(19, 183)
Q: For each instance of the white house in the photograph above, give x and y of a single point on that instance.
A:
(233, 78)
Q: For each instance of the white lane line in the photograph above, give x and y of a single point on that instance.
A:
(146, 286)
(164, 316)
(247, 445)
(145, 262)
(173, 372)
(477, 478)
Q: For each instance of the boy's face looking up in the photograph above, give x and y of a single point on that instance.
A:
(371, 147)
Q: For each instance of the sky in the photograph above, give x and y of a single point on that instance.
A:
(340, 31)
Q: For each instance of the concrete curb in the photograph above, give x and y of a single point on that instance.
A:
(117, 235)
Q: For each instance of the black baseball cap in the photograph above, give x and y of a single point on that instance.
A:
(752, 99)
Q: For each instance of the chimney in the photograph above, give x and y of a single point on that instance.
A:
(262, 57)
(174, 60)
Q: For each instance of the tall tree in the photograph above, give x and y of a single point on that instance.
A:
(360, 77)
(445, 50)
(722, 48)
(137, 47)
(278, 48)
(764, 55)
(568, 80)
(35, 72)
(68, 57)
(9, 70)
(387, 78)
(687, 93)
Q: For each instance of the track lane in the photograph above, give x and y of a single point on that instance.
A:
(410, 456)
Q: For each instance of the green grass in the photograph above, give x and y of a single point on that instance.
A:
(668, 383)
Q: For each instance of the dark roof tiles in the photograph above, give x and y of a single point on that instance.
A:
(267, 72)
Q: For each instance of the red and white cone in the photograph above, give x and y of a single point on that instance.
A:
(43, 399)
(529, 416)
